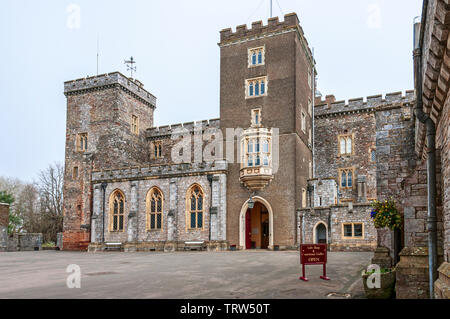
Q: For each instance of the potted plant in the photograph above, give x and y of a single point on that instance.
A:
(379, 282)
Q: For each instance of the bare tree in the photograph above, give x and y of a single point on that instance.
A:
(50, 188)
(38, 205)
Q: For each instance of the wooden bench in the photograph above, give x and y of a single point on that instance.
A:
(113, 246)
(194, 245)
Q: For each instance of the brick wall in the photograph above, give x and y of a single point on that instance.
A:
(288, 61)
(4, 221)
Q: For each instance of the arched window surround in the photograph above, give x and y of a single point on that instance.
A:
(195, 207)
(117, 202)
(155, 209)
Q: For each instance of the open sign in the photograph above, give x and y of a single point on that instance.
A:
(315, 254)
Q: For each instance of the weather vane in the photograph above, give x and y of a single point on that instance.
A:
(130, 66)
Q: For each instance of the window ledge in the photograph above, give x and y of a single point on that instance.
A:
(255, 97)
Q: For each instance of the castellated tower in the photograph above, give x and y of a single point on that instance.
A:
(267, 81)
(106, 120)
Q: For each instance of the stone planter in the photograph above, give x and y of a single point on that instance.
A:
(387, 287)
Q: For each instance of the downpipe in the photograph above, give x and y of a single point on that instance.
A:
(431, 150)
(103, 212)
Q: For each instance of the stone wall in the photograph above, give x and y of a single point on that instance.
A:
(323, 193)
(4, 221)
(101, 106)
(25, 242)
(174, 182)
(333, 218)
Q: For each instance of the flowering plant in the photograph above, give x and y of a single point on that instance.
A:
(385, 214)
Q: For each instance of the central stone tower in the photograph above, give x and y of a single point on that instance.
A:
(266, 83)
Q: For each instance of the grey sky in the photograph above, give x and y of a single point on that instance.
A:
(361, 47)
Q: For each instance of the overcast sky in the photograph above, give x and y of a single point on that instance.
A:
(362, 48)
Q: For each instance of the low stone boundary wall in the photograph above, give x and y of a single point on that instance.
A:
(161, 246)
(25, 242)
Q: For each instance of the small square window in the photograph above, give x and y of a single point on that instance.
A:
(358, 230)
(348, 232)
(346, 177)
(75, 172)
(256, 56)
(135, 124)
(303, 122)
(256, 87)
(373, 155)
(157, 149)
(345, 144)
(353, 230)
(82, 142)
(256, 117)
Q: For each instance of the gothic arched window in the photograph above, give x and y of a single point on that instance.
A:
(195, 207)
(154, 209)
(117, 207)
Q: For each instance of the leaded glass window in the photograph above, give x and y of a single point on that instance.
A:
(117, 211)
(154, 209)
(196, 205)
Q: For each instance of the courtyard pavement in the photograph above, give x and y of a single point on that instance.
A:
(179, 275)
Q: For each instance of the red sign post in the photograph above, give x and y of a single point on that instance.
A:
(314, 255)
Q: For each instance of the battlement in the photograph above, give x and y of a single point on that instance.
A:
(329, 105)
(167, 130)
(258, 29)
(160, 171)
(109, 80)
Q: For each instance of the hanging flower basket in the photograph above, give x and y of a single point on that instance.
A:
(385, 214)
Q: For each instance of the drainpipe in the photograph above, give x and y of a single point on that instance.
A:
(103, 212)
(210, 180)
(419, 29)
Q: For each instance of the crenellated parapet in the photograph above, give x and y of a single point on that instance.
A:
(107, 81)
(258, 31)
(159, 171)
(167, 130)
(330, 107)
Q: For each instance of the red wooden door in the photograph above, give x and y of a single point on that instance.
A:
(248, 229)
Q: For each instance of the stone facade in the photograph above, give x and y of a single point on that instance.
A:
(432, 39)
(289, 68)
(25, 242)
(4, 221)
(378, 129)
(333, 218)
(296, 200)
(102, 107)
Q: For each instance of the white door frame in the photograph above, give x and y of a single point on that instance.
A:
(242, 221)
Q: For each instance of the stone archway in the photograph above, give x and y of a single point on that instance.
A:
(320, 233)
(242, 221)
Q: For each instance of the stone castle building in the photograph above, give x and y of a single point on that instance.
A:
(280, 167)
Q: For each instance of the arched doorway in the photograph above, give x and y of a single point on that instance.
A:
(320, 234)
(256, 225)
